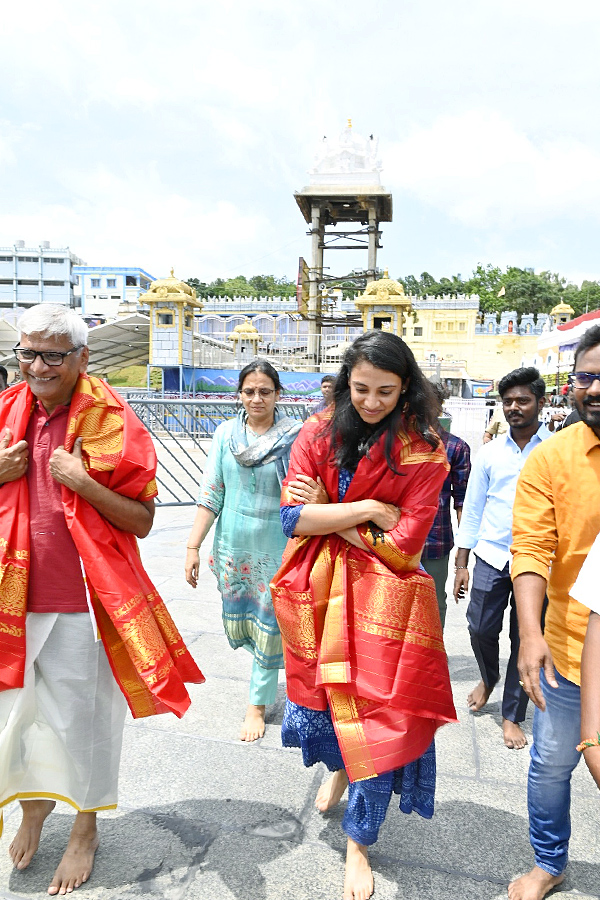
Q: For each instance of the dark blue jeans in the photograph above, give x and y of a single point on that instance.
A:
(553, 758)
(490, 595)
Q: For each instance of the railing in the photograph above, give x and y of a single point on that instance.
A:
(182, 431)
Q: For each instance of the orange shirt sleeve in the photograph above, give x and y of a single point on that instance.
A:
(535, 534)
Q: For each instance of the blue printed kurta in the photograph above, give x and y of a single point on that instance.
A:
(247, 548)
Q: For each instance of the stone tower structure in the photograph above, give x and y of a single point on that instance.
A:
(172, 305)
(345, 190)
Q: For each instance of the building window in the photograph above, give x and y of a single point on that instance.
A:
(77, 279)
(26, 281)
(115, 297)
(111, 282)
(54, 259)
(188, 321)
(130, 280)
(418, 331)
(54, 284)
(5, 280)
(462, 326)
(438, 326)
(103, 297)
(29, 259)
(6, 259)
(450, 326)
(165, 318)
(404, 332)
(95, 282)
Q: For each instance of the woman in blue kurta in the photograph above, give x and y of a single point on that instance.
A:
(241, 489)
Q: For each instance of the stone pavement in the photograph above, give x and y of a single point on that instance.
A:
(202, 815)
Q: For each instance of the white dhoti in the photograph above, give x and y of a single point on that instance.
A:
(61, 733)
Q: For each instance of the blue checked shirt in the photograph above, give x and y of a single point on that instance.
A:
(440, 539)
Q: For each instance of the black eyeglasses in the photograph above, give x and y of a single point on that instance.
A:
(49, 357)
(583, 379)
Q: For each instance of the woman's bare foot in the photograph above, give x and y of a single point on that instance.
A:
(358, 883)
(253, 726)
(479, 696)
(533, 886)
(77, 863)
(330, 793)
(27, 838)
(514, 736)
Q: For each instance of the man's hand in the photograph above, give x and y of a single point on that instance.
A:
(306, 490)
(461, 584)
(68, 468)
(13, 460)
(534, 654)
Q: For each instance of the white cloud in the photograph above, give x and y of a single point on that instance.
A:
(136, 220)
(479, 169)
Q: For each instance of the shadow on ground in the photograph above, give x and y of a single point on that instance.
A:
(467, 850)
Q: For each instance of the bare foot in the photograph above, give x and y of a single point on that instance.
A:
(253, 726)
(27, 838)
(358, 883)
(533, 886)
(330, 793)
(479, 696)
(514, 737)
(78, 860)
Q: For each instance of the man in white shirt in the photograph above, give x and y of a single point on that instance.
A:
(486, 528)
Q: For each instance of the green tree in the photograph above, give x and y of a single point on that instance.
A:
(527, 292)
(487, 281)
(200, 287)
(411, 285)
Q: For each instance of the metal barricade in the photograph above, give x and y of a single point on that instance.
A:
(182, 431)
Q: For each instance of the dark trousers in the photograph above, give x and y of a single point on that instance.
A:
(490, 595)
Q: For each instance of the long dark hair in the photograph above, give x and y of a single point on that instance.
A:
(259, 365)
(350, 437)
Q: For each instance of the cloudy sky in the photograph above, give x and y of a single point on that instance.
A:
(155, 134)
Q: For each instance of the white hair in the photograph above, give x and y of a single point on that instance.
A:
(51, 320)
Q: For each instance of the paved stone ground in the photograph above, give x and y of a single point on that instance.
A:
(202, 815)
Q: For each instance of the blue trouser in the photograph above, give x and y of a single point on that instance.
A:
(312, 730)
(553, 759)
(490, 595)
(263, 684)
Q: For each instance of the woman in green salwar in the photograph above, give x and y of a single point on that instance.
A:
(241, 488)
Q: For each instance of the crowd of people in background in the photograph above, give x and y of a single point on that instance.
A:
(331, 549)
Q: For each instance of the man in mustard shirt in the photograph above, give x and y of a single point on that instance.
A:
(556, 519)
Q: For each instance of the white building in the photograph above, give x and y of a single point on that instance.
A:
(105, 291)
(31, 275)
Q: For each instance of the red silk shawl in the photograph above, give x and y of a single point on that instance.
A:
(361, 628)
(147, 655)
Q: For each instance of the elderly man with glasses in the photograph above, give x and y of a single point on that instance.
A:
(81, 624)
(556, 519)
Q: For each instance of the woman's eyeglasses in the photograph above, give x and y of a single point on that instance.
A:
(265, 393)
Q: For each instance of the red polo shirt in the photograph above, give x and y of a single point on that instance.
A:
(55, 577)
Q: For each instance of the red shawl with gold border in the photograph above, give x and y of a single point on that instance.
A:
(148, 657)
(361, 628)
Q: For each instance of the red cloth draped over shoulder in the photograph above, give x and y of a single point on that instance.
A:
(361, 628)
(148, 657)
